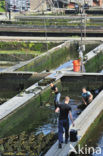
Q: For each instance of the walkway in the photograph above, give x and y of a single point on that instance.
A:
(45, 39)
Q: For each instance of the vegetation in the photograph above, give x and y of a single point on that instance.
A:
(52, 60)
(25, 144)
(22, 46)
(95, 64)
(91, 130)
(18, 131)
(2, 5)
(31, 116)
(21, 51)
(54, 22)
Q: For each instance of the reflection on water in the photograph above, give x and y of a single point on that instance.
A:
(100, 145)
(102, 71)
(1, 69)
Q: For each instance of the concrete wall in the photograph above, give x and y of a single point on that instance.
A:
(16, 81)
(95, 64)
(49, 60)
(74, 84)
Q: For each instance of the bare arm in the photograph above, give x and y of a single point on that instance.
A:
(71, 118)
(91, 97)
(84, 101)
(56, 89)
(57, 110)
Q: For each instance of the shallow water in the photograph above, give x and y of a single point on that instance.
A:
(51, 126)
(1, 69)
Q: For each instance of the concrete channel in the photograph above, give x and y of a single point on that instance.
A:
(51, 30)
(82, 124)
(64, 71)
(21, 99)
(24, 63)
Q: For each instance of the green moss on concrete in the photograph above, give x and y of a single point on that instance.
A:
(91, 46)
(52, 60)
(30, 116)
(21, 51)
(2, 5)
(90, 131)
(54, 22)
(26, 144)
(95, 64)
(22, 46)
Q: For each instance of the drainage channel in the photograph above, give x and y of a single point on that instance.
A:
(34, 91)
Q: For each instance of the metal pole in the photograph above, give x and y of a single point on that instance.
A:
(85, 21)
(6, 5)
(81, 50)
(45, 29)
(46, 32)
(81, 26)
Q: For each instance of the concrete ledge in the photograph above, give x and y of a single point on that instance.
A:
(94, 52)
(69, 73)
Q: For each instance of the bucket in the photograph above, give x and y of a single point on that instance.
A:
(76, 65)
(73, 135)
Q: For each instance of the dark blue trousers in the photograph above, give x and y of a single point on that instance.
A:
(63, 124)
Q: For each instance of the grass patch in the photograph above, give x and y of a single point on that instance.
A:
(24, 46)
(20, 52)
(2, 6)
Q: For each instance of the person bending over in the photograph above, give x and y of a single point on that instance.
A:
(63, 122)
(57, 94)
(87, 97)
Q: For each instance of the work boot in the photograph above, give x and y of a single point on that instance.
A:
(60, 145)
